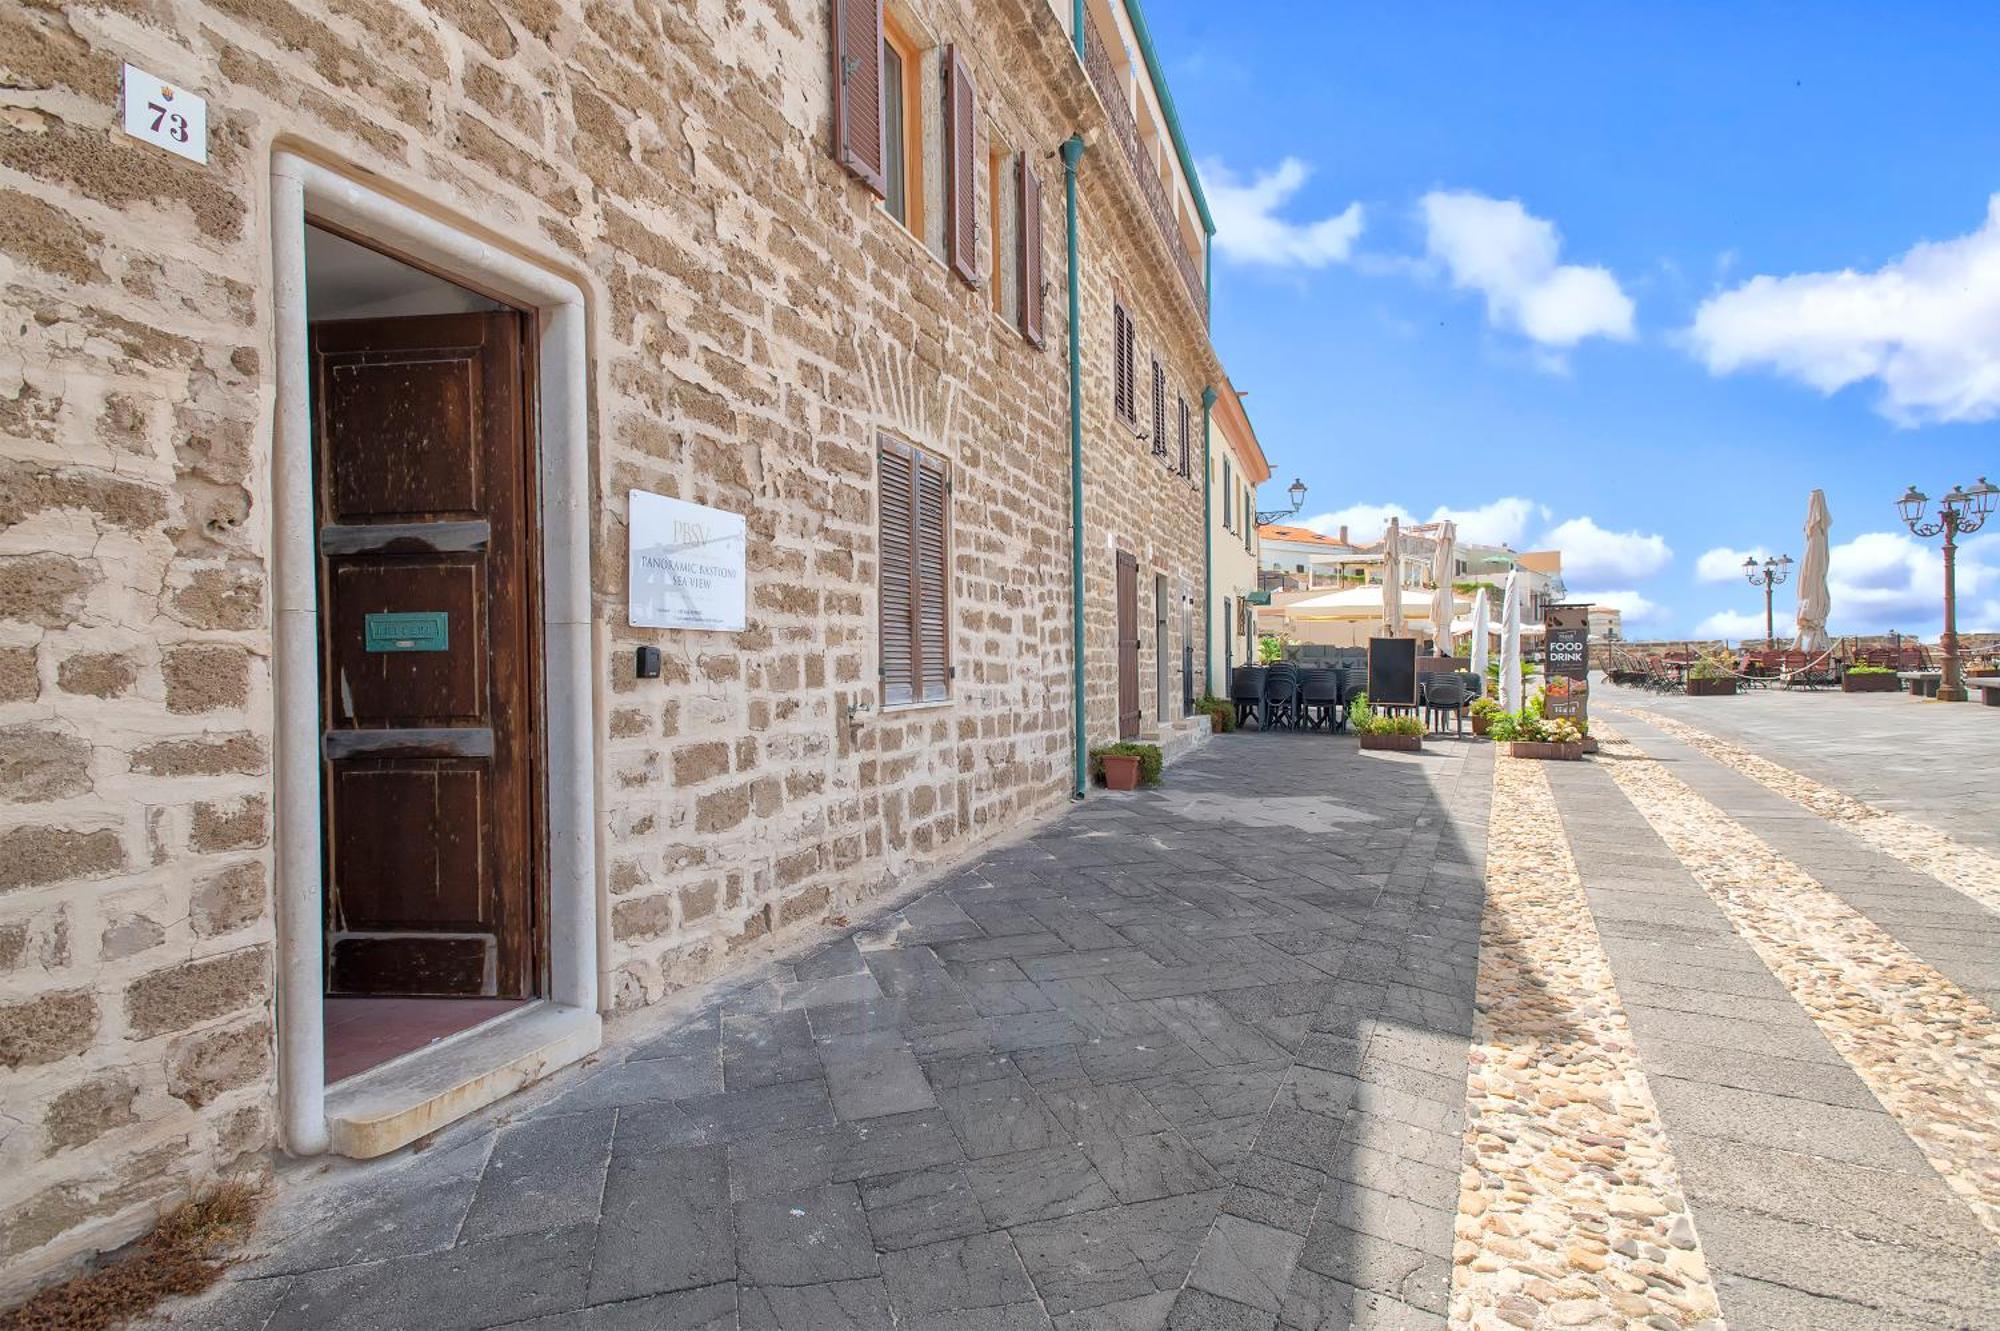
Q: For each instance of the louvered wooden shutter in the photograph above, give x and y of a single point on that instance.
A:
(1030, 246)
(1159, 408)
(1228, 498)
(1118, 406)
(961, 105)
(857, 91)
(898, 556)
(932, 571)
(1184, 438)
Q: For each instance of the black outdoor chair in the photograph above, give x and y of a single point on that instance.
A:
(1475, 684)
(1246, 692)
(1281, 691)
(1444, 694)
(1319, 699)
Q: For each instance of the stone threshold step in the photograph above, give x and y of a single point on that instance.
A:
(391, 1106)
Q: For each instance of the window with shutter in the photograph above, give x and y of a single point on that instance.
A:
(915, 505)
(1159, 407)
(1228, 498)
(961, 105)
(1121, 363)
(859, 143)
(1185, 459)
(1030, 243)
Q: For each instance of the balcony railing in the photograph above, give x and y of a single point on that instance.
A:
(1104, 73)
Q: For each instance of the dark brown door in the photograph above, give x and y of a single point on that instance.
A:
(1128, 646)
(427, 606)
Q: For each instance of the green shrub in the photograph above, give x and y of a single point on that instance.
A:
(1711, 666)
(1147, 754)
(1221, 709)
(1270, 649)
(1870, 670)
(1365, 720)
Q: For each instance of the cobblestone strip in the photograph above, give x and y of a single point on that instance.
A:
(1962, 868)
(1929, 1051)
(1570, 1205)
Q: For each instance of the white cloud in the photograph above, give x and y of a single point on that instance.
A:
(1591, 553)
(1497, 248)
(1738, 624)
(1925, 326)
(1631, 604)
(1723, 564)
(1249, 230)
(1501, 522)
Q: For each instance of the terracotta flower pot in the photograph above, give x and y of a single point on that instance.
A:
(1394, 743)
(1121, 771)
(1480, 723)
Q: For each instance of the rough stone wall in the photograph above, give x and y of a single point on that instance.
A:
(1135, 500)
(755, 321)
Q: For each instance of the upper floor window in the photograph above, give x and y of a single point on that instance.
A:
(1159, 408)
(1124, 356)
(1228, 498)
(902, 127)
(1186, 463)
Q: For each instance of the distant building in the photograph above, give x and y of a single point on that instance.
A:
(1236, 468)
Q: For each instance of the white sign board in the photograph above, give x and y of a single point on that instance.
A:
(165, 116)
(685, 564)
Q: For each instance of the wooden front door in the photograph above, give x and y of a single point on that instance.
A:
(1128, 646)
(429, 698)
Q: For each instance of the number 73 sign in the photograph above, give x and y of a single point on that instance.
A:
(165, 116)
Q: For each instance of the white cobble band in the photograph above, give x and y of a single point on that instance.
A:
(1571, 1211)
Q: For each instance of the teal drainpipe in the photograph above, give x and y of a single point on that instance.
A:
(1207, 552)
(1076, 28)
(1072, 153)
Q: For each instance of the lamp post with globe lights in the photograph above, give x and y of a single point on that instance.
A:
(1959, 513)
(1769, 575)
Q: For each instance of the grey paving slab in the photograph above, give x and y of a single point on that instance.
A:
(1814, 1207)
(1932, 762)
(1949, 930)
(1159, 1037)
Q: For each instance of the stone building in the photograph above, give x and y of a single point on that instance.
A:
(325, 728)
(1237, 468)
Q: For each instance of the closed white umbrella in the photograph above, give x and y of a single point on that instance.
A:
(1482, 624)
(1392, 579)
(1814, 603)
(1443, 564)
(1510, 644)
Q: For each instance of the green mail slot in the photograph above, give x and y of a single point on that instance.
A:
(408, 631)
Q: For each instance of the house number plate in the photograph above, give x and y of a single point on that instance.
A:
(407, 631)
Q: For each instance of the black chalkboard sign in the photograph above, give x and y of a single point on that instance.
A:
(1392, 672)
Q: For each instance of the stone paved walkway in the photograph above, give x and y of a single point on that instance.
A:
(1306, 1039)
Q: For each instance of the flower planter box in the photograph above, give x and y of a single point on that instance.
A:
(1869, 684)
(1394, 743)
(1711, 688)
(1481, 723)
(1121, 771)
(1524, 748)
(1589, 744)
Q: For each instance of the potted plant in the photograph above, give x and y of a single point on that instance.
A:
(1711, 677)
(1541, 739)
(1401, 734)
(1127, 765)
(1869, 679)
(1221, 713)
(1270, 649)
(1482, 711)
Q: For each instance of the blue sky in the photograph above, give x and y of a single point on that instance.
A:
(1636, 278)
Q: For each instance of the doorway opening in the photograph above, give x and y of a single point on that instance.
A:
(423, 485)
(436, 870)
(1162, 659)
(1128, 646)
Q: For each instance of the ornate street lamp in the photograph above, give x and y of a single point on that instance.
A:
(1297, 494)
(1769, 575)
(1959, 513)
